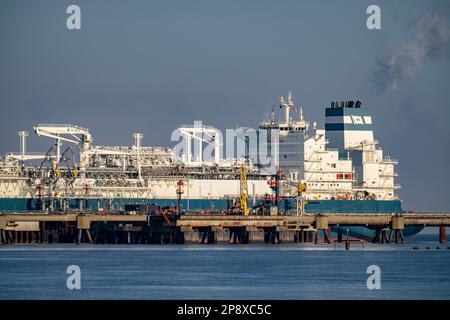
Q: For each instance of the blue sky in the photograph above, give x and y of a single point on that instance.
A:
(150, 66)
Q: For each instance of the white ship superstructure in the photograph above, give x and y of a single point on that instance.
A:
(341, 162)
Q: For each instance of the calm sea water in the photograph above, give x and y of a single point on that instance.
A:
(226, 271)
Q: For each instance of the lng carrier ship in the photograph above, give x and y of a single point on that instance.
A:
(338, 169)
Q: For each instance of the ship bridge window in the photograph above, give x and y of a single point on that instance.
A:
(346, 176)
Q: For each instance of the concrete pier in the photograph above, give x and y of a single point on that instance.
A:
(206, 228)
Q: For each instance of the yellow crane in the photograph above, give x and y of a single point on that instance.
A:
(301, 187)
(243, 195)
(56, 169)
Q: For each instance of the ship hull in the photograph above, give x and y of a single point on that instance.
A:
(369, 234)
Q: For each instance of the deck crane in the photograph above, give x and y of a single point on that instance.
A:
(68, 157)
(203, 134)
(47, 176)
(58, 131)
(48, 169)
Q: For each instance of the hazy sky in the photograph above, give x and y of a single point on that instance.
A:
(149, 66)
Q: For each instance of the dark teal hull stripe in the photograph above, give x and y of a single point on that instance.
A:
(336, 112)
(347, 127)
(348, 206)
(312, 206)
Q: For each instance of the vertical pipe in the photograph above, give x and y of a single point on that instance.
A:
(200, 147)
(41, 232)
(23, 144)
(89, 236)
(327, 235)
(253, 194)
(137, 143)
(187, 194)
(80, 233)
(58, 150)
(217, 142)
(385, 237)
(442, 234)
(347, 244)
(339, 235)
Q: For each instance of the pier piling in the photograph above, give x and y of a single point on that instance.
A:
(321, 223)
(442, 235)
(221, 235)
(83, 226)
(190, 236)
(339, 235)
(286, 235)
(397, 226)
(255, 235)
